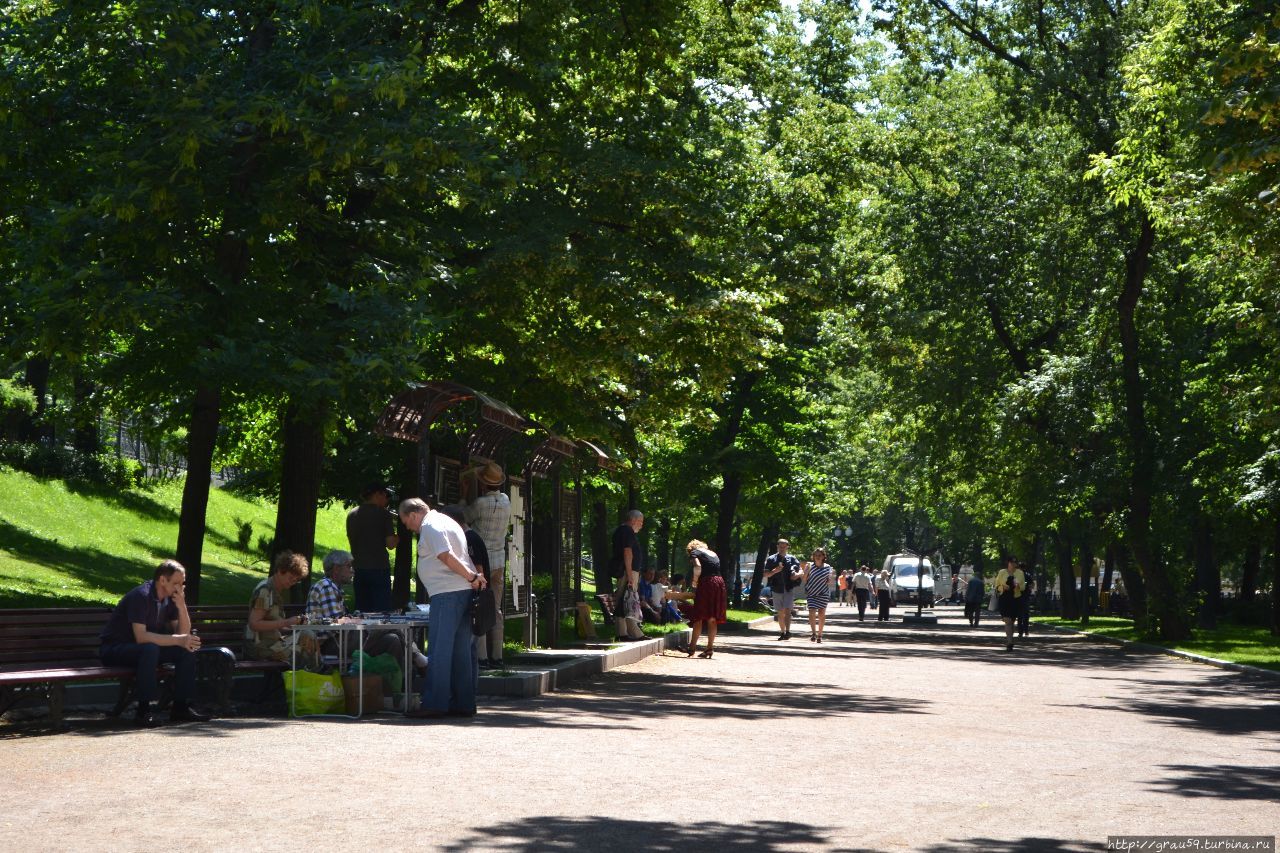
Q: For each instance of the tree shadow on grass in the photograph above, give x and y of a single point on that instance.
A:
(1228, 782)
(610, 833)
(91, 567)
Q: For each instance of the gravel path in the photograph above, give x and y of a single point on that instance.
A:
(881, 738)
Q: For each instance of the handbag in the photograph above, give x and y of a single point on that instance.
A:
(484, 612)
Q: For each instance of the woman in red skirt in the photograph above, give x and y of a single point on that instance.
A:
(709, 598)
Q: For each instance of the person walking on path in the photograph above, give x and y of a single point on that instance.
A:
(885, 591)
(1011, 583)
(817, 590)
(709, 598)
(446, 570)
(371, 532)
(974, 593)
(782, 571)
(1024, 612)
(151, 626)
(863, 584)
(843, 583)
(624, 562)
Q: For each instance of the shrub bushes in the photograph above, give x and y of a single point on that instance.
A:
(99, 469)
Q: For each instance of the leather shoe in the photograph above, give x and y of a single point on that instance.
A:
(425, 714)
(188, 715)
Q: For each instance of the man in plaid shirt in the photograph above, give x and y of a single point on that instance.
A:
(328, 601)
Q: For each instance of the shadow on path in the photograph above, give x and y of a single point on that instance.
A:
(1221, 780)
(607, 833)
(1014, 845)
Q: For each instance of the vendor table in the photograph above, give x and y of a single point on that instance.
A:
(354, 630)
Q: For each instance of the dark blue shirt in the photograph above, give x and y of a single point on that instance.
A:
(783, 580)
(139, 605)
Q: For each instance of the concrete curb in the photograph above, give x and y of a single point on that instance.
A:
(561, 667)
(1177, 653)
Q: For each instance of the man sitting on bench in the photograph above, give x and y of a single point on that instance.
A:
(151, 626)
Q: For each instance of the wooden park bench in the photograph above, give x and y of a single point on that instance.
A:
(42, 650)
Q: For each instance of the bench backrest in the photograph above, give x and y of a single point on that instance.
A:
(36, 638)
(47, 636)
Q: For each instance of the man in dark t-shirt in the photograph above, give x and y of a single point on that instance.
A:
(371, 531)
(624, 557)
(782, 571)
(151, 626)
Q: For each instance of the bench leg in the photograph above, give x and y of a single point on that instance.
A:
(57, 694)
(126, 695)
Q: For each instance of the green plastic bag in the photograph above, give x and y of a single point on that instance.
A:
(384, 664)
(312, 693)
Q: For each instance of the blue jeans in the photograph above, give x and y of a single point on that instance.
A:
(145, 658)
(452, 670)
(373, 590)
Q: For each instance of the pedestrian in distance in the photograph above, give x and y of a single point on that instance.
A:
(1011, 585)
(843, 584)
(884, 589)
(817, 591)
(709, 598)
(783, 574)
(1024, 611)
(975, 592)
(863, 585)
(624, 562)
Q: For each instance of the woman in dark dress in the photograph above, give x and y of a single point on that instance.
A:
(709, 599)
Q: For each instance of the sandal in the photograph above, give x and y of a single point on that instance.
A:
(706, 654)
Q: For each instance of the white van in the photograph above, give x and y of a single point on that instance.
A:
(906, 587)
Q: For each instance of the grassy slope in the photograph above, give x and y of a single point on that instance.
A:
(63, 545)
(1236, 643)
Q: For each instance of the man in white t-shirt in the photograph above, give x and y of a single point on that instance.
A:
(446, 570)
(862, 586)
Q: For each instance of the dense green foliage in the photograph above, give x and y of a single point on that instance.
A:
(980, 279)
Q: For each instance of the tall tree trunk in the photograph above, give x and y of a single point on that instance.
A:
(1066, 577)
(1108, 568)
(402, 570)
(1086, 579)
(1208, 574)
(730, 492)
(664, 545)
(202, 435)
(302, 455)
(84, 437)
(1164, 601)
(729, 465)
(1275, 576)
(768, 537)
(600, 545)
(31, 427)
(1135, 589)
(1252, 569)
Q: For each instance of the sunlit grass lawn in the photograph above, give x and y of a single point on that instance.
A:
(63, 545)
(1245, 644)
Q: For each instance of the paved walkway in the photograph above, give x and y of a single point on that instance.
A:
(882, 738)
